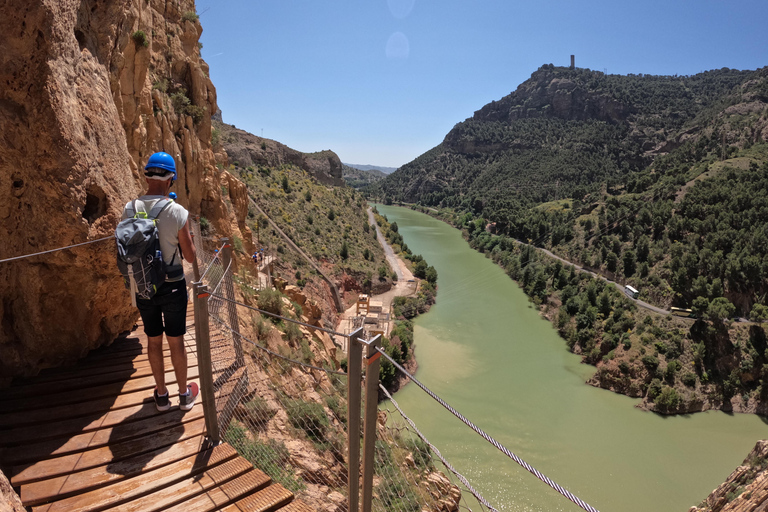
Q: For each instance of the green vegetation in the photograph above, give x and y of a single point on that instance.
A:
(140, 38)
(662, 187)
(270, 456)
(190, 16)
(183, 105)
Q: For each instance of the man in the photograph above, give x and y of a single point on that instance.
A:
(167, 310)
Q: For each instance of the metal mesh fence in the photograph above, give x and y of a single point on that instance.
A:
(411, 474)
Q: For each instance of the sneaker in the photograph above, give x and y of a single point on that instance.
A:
(187, 400)
(163, 403)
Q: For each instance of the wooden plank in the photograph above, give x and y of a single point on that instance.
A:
(229, 492)
(104, 455)
(184, 492)
(89, 366)
(55, 447)
(78, 379)
(89, 411)
(68, 427)
(297, 506)
(130, 491)
(88, 394)
(266, 500)
(65, 486)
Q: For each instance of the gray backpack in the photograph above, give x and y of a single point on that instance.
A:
(138, 252)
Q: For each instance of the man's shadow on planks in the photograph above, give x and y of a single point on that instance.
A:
(97, 412)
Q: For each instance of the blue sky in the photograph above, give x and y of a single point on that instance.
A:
(382, 81)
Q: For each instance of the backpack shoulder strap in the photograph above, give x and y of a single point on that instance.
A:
(158, 208)
(130, 209)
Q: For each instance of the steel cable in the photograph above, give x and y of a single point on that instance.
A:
(265, 349)
(432, 447)
(554, 485)
(328, 331)
(111, 237)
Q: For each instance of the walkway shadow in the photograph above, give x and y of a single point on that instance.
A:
(40, 416)
(142, 436)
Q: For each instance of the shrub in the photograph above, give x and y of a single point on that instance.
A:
(140, 38)
(205, 226)
(237, 243)
(420, 450)
(309, 417)
(650, 362)
(161, 85)
(271, 457)
(292, 332)
(271, 301)
(668, 399)
(344, 252)
(654, 389)
(689, 379)
(190, 16)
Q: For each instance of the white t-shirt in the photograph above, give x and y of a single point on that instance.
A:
(170, 221)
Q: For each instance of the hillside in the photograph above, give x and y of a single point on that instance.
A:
(657, 182)
(382, 169)
(570, 132)
(358, 178)
(304, 195)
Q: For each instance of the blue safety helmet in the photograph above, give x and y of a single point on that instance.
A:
(160, 163)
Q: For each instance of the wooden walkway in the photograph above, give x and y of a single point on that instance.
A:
(88, 437)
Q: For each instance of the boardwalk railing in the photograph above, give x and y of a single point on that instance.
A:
(267, 391)
(272, 389)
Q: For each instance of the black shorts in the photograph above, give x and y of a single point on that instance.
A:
(166, 311)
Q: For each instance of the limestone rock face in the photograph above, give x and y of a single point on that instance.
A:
(746, 489)
(90, 90)
(246, 150)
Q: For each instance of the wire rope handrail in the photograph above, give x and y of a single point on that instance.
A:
(554, 485)
(322, 329)
(432, 447)
(111, 237)
(265, 349)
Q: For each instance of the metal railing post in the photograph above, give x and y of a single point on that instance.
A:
(371, 417)
(231, 307)
(195, 267)
(354, 392)
(203, 344)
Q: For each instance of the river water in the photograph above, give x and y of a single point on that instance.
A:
(485, 350)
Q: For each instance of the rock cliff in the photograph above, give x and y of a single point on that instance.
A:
(90, 90)
(247, 150)
(746, 489)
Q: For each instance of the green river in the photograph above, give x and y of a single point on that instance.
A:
(485, 350)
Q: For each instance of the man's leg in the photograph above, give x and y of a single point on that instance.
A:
(179, 360)
(157, 363)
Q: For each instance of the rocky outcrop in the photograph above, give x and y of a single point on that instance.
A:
(90, 90)
(9, 500)
(550, 94)
(746, 489)
(245, 150)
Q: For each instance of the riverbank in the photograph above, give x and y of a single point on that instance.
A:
(486, 351)
(409, 297)
(674, 365)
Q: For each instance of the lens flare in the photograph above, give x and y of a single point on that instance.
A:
(398, 47)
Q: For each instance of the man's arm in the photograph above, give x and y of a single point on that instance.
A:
(188, 250)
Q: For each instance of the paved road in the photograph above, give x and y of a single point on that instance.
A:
(620, 287)
(393, 260)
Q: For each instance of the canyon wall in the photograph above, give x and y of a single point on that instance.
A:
(90, 89)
